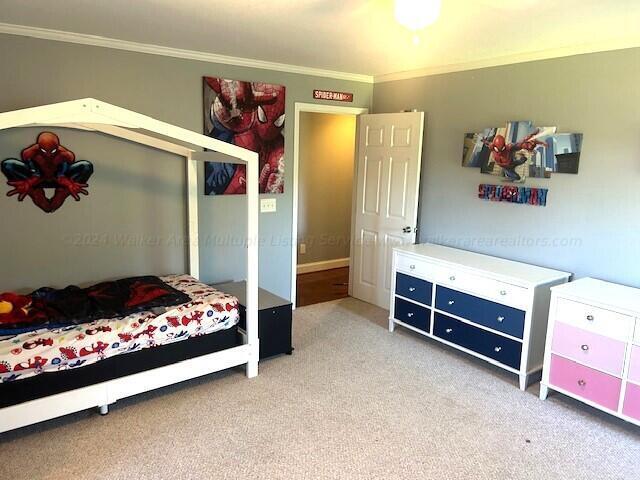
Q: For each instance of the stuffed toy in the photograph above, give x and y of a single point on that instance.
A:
(14, 308)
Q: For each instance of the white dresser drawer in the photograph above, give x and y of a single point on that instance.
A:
(480, 286)
(599, 320)
(415, 266)
(637, 337)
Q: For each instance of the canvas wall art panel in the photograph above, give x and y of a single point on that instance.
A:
(520, 150)
(250, 115)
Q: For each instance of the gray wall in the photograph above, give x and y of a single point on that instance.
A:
(325, 182)
(591, 225)
(36, 72)
(132, 222)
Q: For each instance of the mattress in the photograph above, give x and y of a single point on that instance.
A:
(29, 354)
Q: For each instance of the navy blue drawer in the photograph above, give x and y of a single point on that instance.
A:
(483, 312)
(504, 319)
(460, 304)
(413, 288)
(412, 314)
(501, 349)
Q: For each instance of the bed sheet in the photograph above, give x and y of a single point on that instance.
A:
(34, 353)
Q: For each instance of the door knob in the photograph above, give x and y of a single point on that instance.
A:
(406, 230)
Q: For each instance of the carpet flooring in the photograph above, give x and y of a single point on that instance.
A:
(352, 402)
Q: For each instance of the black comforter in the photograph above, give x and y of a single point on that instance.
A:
(53, 308)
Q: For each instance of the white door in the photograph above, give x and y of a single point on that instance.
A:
(386, 204)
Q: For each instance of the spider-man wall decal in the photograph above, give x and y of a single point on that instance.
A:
(250, 115)
(48, 173)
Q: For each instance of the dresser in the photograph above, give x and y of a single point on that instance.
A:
(593, 346)
(488, 307)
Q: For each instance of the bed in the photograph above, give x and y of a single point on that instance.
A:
(52, 372)
(85, 354)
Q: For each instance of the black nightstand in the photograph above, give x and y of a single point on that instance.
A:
(274, 318)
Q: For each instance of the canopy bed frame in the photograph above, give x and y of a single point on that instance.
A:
(95, 116)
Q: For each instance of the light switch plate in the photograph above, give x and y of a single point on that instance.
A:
(267, 205)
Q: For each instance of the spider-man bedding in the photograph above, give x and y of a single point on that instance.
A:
(204, 311)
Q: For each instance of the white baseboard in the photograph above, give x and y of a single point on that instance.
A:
(324, 265)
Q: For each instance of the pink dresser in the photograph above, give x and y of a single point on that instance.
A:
(593, 346)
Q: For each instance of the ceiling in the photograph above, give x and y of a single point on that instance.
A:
(346, 35)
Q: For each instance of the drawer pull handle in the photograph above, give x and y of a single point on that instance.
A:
(412, 289)
(590, 318)
(410, 314)
(449, 330)
(497, 349)
(585, 348)
(500, 319)
(412, 267)
(503, 292)
(452, 278)
(582, 383)
(451, 302)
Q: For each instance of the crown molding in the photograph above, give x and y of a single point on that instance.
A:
(605, 46)
(98, 41)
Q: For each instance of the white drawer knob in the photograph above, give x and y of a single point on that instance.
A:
(412, 289)
(409, 314)
(412, 267)
(452, 278)
(451, 302)
(503, 292)
(590, 318)
(585, 348)
(500, 319)
(497, 349)
(449, 330)
(582, 383)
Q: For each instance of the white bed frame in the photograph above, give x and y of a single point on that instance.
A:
(93, 115)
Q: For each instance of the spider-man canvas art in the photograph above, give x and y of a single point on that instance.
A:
(250, 115)
(48, 173)
(521, 150)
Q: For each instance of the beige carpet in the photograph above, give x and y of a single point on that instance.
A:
(354, 401)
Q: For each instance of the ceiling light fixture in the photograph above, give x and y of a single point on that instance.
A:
(417, 14)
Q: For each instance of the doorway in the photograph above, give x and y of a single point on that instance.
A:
(324, 166)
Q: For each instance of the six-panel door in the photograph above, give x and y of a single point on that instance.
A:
(387, 186)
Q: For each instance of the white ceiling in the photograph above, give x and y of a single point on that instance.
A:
(345, 35)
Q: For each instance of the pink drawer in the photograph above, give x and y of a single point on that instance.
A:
(591, 349)
(634, 365)
(632, 401)
(585, 382)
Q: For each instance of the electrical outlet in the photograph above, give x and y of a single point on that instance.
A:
(303, 248)
(267, 205)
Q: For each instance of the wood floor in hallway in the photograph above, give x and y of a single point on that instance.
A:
(318, 287)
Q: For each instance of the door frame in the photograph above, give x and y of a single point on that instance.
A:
(311, 108)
